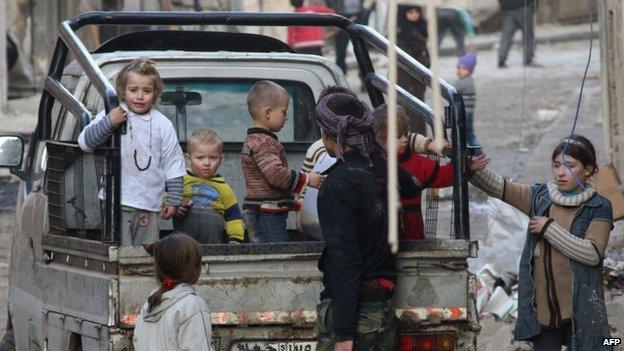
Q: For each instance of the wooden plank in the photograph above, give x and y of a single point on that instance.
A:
(610, 14)
(608, 184)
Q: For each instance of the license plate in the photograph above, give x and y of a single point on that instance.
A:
(274, 346)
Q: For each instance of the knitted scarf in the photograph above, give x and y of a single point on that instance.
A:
(557, 197)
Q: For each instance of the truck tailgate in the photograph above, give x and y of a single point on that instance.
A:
(273, 284)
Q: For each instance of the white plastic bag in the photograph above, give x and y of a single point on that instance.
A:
(504, 240)
(309, 214)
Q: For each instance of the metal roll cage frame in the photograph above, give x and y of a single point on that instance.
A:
(360, 35)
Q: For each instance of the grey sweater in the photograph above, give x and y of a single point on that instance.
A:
(466, 88)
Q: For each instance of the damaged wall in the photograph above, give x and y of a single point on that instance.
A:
(611, 17)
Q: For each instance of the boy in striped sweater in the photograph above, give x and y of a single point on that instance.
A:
(270, 183)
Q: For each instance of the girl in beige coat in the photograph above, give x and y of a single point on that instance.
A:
(174, 318)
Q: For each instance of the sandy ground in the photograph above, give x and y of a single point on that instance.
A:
(528, 109)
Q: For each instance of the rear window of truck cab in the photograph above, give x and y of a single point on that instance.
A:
(221, 105)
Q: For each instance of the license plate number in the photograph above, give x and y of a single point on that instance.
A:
(274, 346)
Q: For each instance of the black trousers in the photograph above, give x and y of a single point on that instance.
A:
(553, 339)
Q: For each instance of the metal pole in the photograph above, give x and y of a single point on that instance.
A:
(391, 135)
(438, 125)
(4, 69)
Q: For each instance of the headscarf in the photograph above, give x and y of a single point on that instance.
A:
(407, 27)
(352, 130)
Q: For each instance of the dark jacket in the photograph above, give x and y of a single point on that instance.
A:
(412, 36)
(352, 210)
(514, 4)
(346, 8)
(590, 324)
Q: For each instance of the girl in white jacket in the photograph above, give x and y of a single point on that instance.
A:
(174, 318)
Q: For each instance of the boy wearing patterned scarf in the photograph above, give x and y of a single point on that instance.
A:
(357, 264)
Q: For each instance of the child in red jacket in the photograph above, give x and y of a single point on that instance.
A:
(427, 171)
(307, 40)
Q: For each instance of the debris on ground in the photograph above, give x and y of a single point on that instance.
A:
(613, 275)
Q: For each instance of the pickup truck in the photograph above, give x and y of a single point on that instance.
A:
(74, 287)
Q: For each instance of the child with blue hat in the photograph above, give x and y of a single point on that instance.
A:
(465, 86)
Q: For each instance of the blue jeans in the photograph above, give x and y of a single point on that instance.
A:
(471, 138)
(266, 227)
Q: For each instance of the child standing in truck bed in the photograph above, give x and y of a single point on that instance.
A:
(429, 172)
(270, 183)
(210, 209)
(151, 157)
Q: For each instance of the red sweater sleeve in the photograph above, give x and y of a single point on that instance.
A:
(321, 9)
(291, 36)
(444, 177)
(424, 168)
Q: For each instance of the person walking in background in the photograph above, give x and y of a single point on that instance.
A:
(305, 39)
(368, 7)
(465, 85)
(450, 18)
(351, 9)
(517, 14)
(412, 37)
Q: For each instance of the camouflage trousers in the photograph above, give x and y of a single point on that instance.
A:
(376, 329)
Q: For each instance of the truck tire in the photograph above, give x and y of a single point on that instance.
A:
(8, 342)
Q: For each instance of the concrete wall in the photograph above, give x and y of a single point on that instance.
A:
(612, 65)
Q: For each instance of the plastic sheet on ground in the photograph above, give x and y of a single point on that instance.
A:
(504, 240)
(499, 257)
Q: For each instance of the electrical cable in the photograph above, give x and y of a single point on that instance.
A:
(521, 146)
(578, 103)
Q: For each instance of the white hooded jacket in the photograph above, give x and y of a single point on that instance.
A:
(180, 322)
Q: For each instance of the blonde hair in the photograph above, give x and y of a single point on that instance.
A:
(204, 136)
(144, 67)
(381, 121)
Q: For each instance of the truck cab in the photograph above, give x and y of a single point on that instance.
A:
(73, 286)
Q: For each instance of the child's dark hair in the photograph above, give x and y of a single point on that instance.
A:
(417, 8)
(334, 89)
(177, 259)
(580, 148)
(142, 66)
(264, 93)
(381, 121)
(297, 3)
